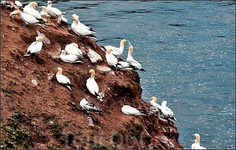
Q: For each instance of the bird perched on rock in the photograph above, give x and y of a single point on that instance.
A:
(72, 48)
(81, 24)
(117, 51)
(154, 104)
(133, 63)
(62, 79)
(28, 19)
(70, 58)
(30, 9)
(81, 29)
(52, 11)
(123, 65)
(167, 112)
(111, 59)
(92, 85)
(35, 47)
(89, 106)
(44, 12)
(128, 110)
(196, 144)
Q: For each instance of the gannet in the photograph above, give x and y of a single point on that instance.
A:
(111, 59)
(123, 65)
(154, 104)
(18, 3)
(167, 112)
(62, 79)
(80, 29)
(196, 144)
(81, 24)
(30, 9)
(128, 110)
(92, 85)
(52, 11)
(72, 48)
(70, 58)
(89, 106)
(35, 47)
(44, 12)
(28, 19)
(117, 51)
(133, 63)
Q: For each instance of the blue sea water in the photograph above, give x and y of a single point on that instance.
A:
(188, 51)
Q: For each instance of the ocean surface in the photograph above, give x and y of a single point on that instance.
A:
(188, 51)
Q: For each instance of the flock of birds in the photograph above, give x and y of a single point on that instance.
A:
(72, 54)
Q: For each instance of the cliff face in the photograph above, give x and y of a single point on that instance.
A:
(48, 115)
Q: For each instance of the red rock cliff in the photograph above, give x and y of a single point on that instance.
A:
(45, 115)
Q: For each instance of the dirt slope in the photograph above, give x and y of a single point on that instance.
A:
(45, 115)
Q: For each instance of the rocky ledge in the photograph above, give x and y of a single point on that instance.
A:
(37, 112)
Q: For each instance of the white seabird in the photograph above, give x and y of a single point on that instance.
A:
(167, 112)
(72, 48)
(111, 59)
(80, 29)
(117, 51)
(92, 85)
(28, 19)
(18, 3)
(133, 63)
(35, 47)
(89, 106)
(81, 24)
(30, 9)
(123, 65)
(70, 58)
(62, 79)
(128, 110)
(154, 104)
(44, 12)
(52, 11)
(196, 144)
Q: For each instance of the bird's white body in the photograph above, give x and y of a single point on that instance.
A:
(52, 11)
(44, 12)
(92, 85)
(28, 19)
(70, 58)
(132, 61)
(35, 47)
(196, 144)
(154, 104)
(89, 106)
(18, 3)
(111, 59)
(62, 79)
(73, 49)
(29, 9)
(80, 29)
(166, 111)
(123, 65)
(128, 110)
(117, 51)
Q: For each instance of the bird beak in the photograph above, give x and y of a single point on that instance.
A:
(192, 140)
(55, 68)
